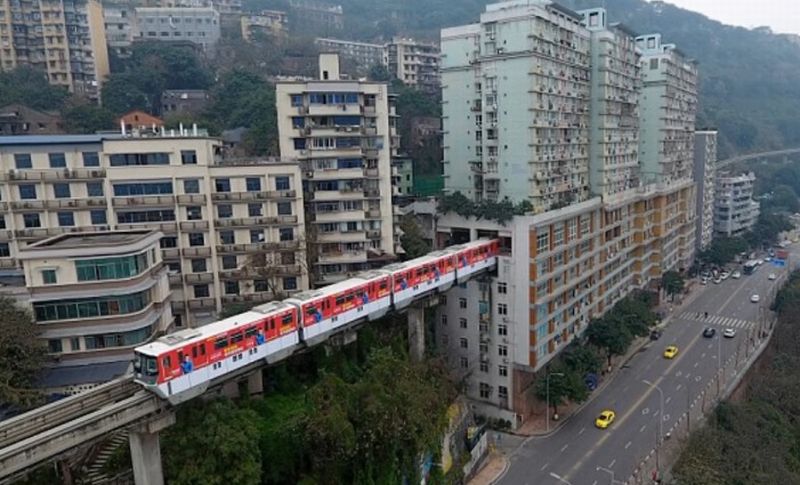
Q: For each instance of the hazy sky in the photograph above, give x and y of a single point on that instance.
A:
(781, 15)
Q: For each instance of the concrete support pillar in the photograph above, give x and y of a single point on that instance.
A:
(255, 383)
(230, 389)
(146, 450)
(416, 332)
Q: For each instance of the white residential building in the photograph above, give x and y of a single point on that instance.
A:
(705, 160)
(735, 211)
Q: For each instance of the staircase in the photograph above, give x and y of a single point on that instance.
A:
(95, 473)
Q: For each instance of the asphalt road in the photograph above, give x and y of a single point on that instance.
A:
(576, 450)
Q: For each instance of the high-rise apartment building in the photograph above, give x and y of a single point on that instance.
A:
(120, 23)
(96, 295)
(735, 211)
(233, 229)
(197, 25)
(343, 133)
(705, 160)
(516, 105)
(668, 107)
(364, 54)
(615, 91)
(413, 62)
(64, 39)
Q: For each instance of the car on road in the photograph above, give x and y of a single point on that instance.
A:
(704, 281)
(655, 334)
(755, 298)
(717, 280)
(729, 333)
(709, 332)
(736, 275)
(773, 276)
(670, 352)
(767, 259)
(724, 275)
(759, 262)
(605, 419)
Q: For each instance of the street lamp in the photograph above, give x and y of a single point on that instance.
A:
(610, 472)
(547, 397)
(559, 478)
(660, 419)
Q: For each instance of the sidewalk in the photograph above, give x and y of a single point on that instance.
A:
(495, 465)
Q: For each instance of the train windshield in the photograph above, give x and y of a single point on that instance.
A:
(146, 365)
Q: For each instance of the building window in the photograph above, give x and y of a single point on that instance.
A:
(99, 217)
(66, 219)
(2, 221)
(584, 226)
(98, 269)
(297, 100)
(91, 307)
(502, 370)
(229, 262)
(227, 237)
(502, 392)
(444, 320)
(282, 183)
(485, 390)
(142, 188)
(27, 191)
(572, 229)
(49, 276)
(542, 241)
(502, 288)
(224, 211)
(5, 251)
(260, 286)
(502, 309)
(201, 291)
(31, 220)
(57, 160)
(253, 184)
(196, 239)
(75, 344)
(464, 362)
(61, 191)
(90, 159)
(502, 330)
(256, 236)
(290, 283)
(231, 287)
(502, 350)
(94, 189)
(462, 322)
(462, 303)
(299, 143)
(484, 367)
(558, 235)
(54, 346)
(286, 234)
(298, 122)
(188, 157)
(222, 185)
(255, 210)
(463, 343)
(199, 266)
(284, 208)
(191, 186)
(22, 161)
(168, 242)
(134, 217)
(194, 213)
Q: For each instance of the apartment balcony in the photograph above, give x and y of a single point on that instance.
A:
(28, 204)
(249, 248)
(374, 234)
(355, 193)
(338, 216)
(196, 251)
(202, 304)
(191, 199)
(197, 278)
(351, 109)
(53, 174)
(372, 214)
(343, 257)
(165, 227)
(193, 225)
(175, 279)
(171, 253)
(370, 153)
(150, 200)
(6, 234)
(336, 174)
(247, 196)
(255, 221)
(8, 263)
(369, 130)
(337, 236)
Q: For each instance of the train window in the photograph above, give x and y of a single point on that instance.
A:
(287, 319)
(350, 297)
(221, 343)
(180, 356)
(272, 324)
(236, 338)
(250, 332)
(150, 366)
(167, 362)
(339, 300)
(194, 352)
(202, 349)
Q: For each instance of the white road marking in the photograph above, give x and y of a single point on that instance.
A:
(581, 431)
(543, 467)
(594, 482)
(656, 413)
(666, 401)
(564, 447)
(627, 445)
(703, 355)
(678, 388)
(696, 364)
(641, 430)
(611, 465)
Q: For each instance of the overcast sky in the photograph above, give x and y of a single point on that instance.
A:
(781, 15)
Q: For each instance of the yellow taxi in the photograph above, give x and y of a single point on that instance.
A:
(670, 352)
(605, 419)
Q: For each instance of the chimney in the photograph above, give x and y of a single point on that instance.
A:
(329, 66)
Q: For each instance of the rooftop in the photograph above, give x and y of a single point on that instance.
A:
(89, 239)
(82, 374)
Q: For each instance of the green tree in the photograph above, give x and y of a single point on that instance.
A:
(610, 335)
(22, 354)
(672, 282)
(562, 388)
(582, 359)
(223, 436)
(88, 118)
(29, 86)
(121, 94)
(413, 240)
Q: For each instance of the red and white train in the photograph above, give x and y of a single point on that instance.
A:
(180, 366)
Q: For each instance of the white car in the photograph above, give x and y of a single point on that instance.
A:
(755, 298)
(717, 280)
(768, 259)
(729, 333)
(736, 275)
(704, 281)
(759, 262)
(773, 276)
(724, 275)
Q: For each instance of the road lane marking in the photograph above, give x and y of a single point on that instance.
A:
(666, 401)
(641, 430)
(703, 355)
(564, 447)
(611, 465)
(594, 482)
(633, 408)
(696, 364)
(678, 388)
(581, 431)
(627, 445)
(544, 467)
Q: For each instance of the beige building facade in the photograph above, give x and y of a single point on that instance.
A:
(233, 229)
(343, 134)
(66, 40)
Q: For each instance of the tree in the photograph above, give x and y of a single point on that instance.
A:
(29, 86)
(673, 283)
(562, 388)
(413, 240)
(121, 94)
(22, 354)
(611, 336)
(88, 118)
(226, 437)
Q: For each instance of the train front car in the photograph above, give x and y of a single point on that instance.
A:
(326, 310)
(434, 272)
(181, 365)
(476, 256)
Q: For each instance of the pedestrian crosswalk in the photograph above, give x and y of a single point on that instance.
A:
(729, 322)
